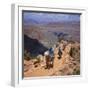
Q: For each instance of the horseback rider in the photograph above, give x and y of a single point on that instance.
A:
(51, 53)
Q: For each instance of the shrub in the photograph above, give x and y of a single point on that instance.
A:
(75, 53)
(26, 55)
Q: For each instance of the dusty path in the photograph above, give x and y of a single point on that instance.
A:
(63, 66)
(41, 71)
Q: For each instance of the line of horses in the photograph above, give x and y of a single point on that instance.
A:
(49, 57)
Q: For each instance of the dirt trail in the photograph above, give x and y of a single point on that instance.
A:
(63, 66)
(41, 71)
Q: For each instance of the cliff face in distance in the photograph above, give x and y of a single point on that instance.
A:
(48, 33)
(33, 46)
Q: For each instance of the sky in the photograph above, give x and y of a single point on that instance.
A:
(45, 17)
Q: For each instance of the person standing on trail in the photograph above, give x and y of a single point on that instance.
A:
(59, 53)
(51, 53)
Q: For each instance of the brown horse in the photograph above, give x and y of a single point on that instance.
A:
(48, 61)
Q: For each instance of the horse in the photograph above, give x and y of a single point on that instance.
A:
(49, 57)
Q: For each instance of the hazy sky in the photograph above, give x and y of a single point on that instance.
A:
(44, 18)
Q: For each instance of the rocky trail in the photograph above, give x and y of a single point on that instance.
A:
(68, 64)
